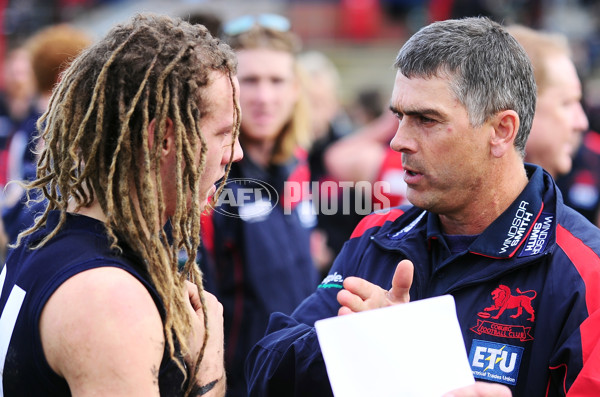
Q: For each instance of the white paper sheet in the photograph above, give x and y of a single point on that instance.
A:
(410, 350)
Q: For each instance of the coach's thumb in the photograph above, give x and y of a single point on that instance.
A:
(403, 277)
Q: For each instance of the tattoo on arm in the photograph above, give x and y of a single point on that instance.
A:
(202, 390)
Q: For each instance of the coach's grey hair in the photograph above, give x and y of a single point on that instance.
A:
(488, 69)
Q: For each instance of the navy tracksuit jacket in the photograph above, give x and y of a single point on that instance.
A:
(257, 257)
(527, 292)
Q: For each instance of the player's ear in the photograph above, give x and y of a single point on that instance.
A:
(505, 126)
(168, 142)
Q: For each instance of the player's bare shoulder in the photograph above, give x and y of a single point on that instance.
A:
(100, 323)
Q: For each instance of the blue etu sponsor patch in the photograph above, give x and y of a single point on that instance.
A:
(496, 362)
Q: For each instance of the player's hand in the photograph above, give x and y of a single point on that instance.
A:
(481, 389)
(359, 295)
(212, 365)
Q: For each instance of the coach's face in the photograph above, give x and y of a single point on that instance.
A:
(445, 159)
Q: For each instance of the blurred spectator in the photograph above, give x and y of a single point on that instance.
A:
(366, 156)
(367, 106)
(258, 249)
(581, 186)
(212, 22)
(329, 123)
(20, 86)
(559, 118)
(17, 120)
(51, 49)
(591, 99)
(329, 120)
(555, 141)
(524, 11)
(361, 19)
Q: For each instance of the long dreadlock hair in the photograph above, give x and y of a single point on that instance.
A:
(97, 147)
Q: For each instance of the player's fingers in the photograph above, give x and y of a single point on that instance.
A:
(212, 303)
(193, 296)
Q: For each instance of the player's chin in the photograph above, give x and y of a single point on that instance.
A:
(205, 203)
(206, 198)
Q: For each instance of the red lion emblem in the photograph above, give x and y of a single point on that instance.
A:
(504, 299)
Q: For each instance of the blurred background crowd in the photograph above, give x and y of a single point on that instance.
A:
(346, 48)
(361, 37)
(342, 51)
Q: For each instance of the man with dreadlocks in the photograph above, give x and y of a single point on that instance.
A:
(140, 128)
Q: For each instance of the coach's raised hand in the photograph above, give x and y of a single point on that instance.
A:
(359, 295)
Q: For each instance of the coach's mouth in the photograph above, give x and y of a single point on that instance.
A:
(412, 176)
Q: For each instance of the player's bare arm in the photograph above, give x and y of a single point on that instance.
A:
(102, 332)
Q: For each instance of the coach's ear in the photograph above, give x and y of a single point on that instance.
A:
(505, 126)
(168, 142)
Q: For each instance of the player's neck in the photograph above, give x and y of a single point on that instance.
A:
(93, 210)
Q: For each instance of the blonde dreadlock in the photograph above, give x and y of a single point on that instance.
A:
(98, 147)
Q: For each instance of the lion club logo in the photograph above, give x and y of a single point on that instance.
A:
(503, 300)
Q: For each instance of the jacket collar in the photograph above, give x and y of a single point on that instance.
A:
(524, 229)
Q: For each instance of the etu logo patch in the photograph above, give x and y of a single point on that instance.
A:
(496, 362)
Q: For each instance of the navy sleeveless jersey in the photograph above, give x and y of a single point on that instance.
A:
(27, 281)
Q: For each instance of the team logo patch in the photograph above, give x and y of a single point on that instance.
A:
(334, 280)
(503, 300)
(491, 328)
(495, 362)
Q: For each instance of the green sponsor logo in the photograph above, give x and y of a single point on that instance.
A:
(332, 281)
